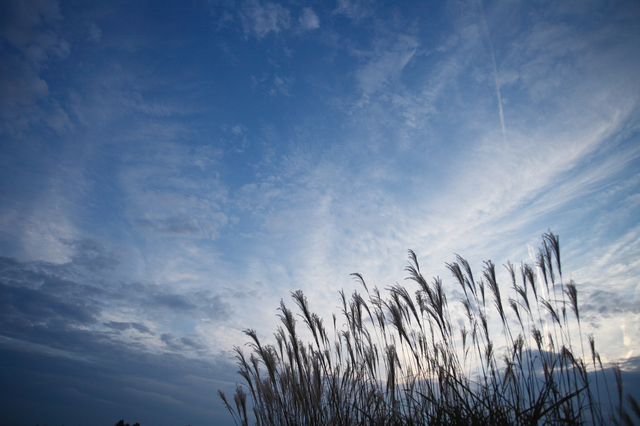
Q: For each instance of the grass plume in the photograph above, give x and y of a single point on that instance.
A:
(399, 359)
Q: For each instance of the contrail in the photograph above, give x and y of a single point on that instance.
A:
(495, 73)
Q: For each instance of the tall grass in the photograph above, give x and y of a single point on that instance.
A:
(408, 359)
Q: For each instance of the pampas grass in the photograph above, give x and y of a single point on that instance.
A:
(400, 360)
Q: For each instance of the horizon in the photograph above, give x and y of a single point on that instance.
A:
(170, 172)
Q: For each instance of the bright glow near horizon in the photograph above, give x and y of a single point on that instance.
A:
(171, 170)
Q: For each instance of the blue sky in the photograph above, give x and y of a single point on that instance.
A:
(171, 170)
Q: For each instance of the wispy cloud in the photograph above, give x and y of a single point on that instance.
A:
(163, 201)
(95, 33)
(281, 86)
(259, 20)
(495, 71)
(308, 19)
(32, 29)
(186, 187)
(389, 57)
(355, 9)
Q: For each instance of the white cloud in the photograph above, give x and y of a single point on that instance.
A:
(355, 9)
(388, 59)
(281, 86)
(259, 20)
(237, 130)
(309, 20)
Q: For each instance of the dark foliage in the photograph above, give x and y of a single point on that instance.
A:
(122, 423)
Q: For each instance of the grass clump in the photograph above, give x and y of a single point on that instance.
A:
(399, 359)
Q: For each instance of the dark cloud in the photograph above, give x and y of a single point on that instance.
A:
(214, 305)
(605, 303)
(118, 382)
(191, 343)
(170, 341)
(180, 344)
(631, 364)
(30, 28)
(57, 351)
(91, 255)
(63, 305)
(118, 325)
(19, 304)
(174, 302)
(141, 328)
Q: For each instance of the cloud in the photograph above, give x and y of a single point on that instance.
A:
(281, 86)
(259, 20)
(604, 303)
(68, 306)
(141, 328)
(26, 21)
(23, 306)
(174, 191)
(355, 9)
(182, 344)
(91, 255)
(95, 33)
(328, 215)
(134, 101)
(116, 325)
(388, 59)
(30, 29)
(171, 226)
(174, 302)
(112, 377)
(308, 19)
(206, 224)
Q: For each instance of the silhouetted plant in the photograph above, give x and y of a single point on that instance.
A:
(122, 423)
(399, 360)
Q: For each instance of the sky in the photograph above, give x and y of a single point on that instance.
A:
(169, 171)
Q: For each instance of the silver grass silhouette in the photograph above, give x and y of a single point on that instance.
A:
(411, 360)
